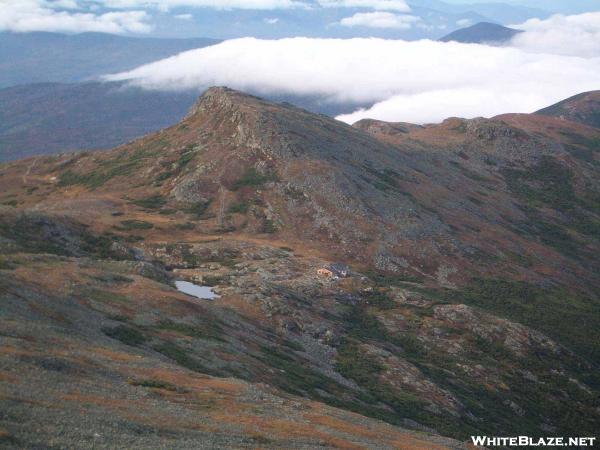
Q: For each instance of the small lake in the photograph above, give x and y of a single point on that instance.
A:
(203, 292)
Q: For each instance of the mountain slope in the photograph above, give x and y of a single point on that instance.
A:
(470, 305)
(482, 33)
(50, 118)
(42, 57)
(583, 108)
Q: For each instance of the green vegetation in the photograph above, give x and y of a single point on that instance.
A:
(550, 184)
(28, 237)
(473, 175)
(492, 349)
(182, 357)
(212, 280)
(6, 264)
(356, 365)
(208, 329)
(152, 202)
(185, 226)
(127, 225)
(582, 153)
(105, 296)
(12, 203)
(385, 280)
(546, 184)
(132, 238)
(199, 209)
(253, 178)
(380, 299)
(34, 234)
(545, 398)
(386, 179)
(572, 319)
(594, 144)
(410, 344)
(187, 156)
(238, 208)
(363, 325)
(163, 176)
(226, 258)
(294, 376)
(123, 165)
(101, 246)
(126, 335)
(155, 384)
(269, 226)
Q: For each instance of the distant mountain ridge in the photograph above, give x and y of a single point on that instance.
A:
(482, 33)
(50, 118)
(42, 57)
(582, 108)
(47, 118)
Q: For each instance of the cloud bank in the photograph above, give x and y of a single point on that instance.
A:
(420, 81)
(61, 16)
(577, 35)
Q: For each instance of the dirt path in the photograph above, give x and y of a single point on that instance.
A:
(28, 171)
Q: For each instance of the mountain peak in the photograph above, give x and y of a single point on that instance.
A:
(482, 32)
(219, 98)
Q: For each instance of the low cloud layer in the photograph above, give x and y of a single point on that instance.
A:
(577, 35)
(63, 16)
(420, 81)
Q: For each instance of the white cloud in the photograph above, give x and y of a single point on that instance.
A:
(463, 22)
(437, 104)
(380, 19)
(40, 15)
(382, 5)
(271, 21)
(422, 81)
(165, 5)
(184, 16)
(577, 35)
(64, 4)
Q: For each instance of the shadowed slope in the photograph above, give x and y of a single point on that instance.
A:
(582, 108)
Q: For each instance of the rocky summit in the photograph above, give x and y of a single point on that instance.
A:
(382, 285)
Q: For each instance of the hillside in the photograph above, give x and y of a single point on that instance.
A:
(482, 33)
(583, 108)
(50, 118)
(42, 57)
(470, 305)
